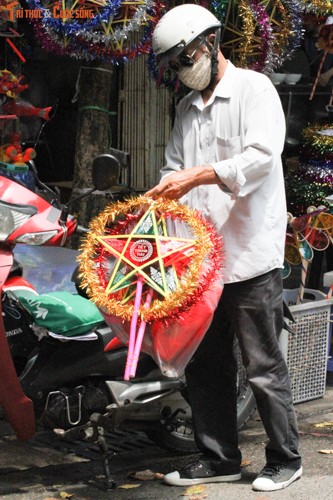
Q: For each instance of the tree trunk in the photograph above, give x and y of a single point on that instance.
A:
(93, 137)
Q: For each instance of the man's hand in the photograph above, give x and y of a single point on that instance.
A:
(177, 184)
(174, 186)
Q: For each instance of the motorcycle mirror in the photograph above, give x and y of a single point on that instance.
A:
(105, 172)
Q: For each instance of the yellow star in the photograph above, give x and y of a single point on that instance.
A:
(148, 252)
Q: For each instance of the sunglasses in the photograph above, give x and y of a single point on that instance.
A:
(183, 60)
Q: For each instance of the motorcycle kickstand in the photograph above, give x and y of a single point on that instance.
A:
(108, 483)
(94, 433)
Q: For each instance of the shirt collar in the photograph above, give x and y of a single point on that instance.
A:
(226, 84)
(223, 88)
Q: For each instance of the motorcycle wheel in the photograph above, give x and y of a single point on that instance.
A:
(181, 439)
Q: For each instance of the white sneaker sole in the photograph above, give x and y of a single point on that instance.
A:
(263, 484)
(174, 479)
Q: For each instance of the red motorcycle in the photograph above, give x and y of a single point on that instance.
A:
(32, 221)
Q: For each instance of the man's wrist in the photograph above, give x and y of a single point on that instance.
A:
(206, 175)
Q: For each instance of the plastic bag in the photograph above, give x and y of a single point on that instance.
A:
(172, 344)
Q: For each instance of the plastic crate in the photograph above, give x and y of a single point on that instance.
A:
(327, 283)
(307, 347)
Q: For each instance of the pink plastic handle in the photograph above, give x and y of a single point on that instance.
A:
(132, 338)
(139, 337)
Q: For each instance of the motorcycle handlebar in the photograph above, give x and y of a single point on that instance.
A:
(81, 230)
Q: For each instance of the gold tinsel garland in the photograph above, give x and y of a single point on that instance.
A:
(246, 43)
(321, 142)
(282, 27)
(191, 284)
(320, 6)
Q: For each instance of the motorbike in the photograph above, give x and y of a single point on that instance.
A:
(71, 386)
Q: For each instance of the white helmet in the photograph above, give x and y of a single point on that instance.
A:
(179, 27)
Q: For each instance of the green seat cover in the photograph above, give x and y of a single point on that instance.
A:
(61, 312)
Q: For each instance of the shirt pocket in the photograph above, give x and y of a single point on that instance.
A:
(227, 148)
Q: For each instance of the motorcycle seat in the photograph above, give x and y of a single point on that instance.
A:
(62, 313)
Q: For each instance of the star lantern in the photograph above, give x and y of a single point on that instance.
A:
(147, 263)
(115, 31)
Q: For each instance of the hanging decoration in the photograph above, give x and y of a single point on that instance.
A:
(21, 107)
(10, 84)
(260, 34)
(310, 231)
(15, 50)
(147, 262)
(14, 156)
(311, 181)
(74, 17)
(318, 140)
(108, 35)
(288, 30)
(306, 233)
(248, 36)
(318, 6)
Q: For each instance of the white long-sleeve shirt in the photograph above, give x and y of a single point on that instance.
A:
(241, 133)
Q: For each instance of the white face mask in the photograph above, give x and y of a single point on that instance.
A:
(197, 76)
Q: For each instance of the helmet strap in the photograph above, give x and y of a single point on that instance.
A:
(214, 53)
(214, 56)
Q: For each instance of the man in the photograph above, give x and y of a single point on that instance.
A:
(223, 158)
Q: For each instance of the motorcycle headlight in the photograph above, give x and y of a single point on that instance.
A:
(7, 224)
(36, 238)
(11, 219)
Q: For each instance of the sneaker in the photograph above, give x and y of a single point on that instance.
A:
(198, 473)
(276, 477)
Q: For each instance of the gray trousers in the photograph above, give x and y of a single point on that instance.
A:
(252, 310)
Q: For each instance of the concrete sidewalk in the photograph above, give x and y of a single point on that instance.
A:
(41, 470)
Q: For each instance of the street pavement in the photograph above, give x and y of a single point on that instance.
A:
(47, 468)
